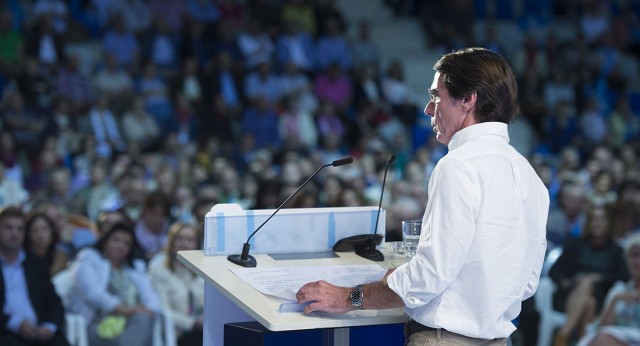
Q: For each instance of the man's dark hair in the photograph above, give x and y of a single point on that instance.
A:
(488, 74)
(157, 199)
(11, 211)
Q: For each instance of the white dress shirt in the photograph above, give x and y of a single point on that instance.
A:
(483, 238)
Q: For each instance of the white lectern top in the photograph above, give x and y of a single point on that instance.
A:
(265, 309)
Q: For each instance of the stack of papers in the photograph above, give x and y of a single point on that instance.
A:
(284, 282)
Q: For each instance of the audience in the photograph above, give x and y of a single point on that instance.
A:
(11, 191)
(618, 322)
(153, 224)
(181, 290)
(222, 101)
(584, 272)
(32, 312)
(106, 219)
(112, 292)
(75, 231)
(43, 240)
(120, 41)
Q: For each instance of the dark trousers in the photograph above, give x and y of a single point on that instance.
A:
(11, 339)
(193, 337)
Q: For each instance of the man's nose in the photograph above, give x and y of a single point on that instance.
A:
(428, 110)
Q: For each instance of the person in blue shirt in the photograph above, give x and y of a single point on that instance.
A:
(32, 312)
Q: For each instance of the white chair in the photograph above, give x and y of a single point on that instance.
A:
(550, 259)
(164, 333)
(76, 328)
(550, 319)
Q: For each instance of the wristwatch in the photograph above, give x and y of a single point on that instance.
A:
(356, 297)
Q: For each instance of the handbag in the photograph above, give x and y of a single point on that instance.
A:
(111, 326)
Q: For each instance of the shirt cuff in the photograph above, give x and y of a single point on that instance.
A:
(400, 283)
(52, 327)
(394, 284)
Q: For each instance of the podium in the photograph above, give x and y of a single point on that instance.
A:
(309, 234)
(226, 294)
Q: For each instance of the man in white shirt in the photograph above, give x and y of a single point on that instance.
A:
(483, 236)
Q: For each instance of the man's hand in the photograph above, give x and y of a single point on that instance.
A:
(44, 334)
(28, 331)
(323, 296)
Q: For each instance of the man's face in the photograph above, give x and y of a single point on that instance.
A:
(60, 183)
(445, 112)
(154, 218)
(11, 234)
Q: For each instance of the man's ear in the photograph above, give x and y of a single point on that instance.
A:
(469, 101)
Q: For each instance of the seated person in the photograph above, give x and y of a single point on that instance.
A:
(108, 218)
(42, 239)
(182, 291)
(32, 313)
(584, 272)
(111, 290)
(74, 231)
(620, 319)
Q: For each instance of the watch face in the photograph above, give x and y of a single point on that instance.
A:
(356, 297)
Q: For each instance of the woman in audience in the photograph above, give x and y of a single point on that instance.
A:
(618, 325)
(182, 291)
(585, 271)
(42, 239)
(112, 291)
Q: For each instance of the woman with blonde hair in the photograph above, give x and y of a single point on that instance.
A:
(181, 291)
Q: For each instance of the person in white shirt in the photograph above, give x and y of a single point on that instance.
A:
(180, 290)
(483, 237)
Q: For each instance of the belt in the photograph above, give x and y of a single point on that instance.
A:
(415, 327)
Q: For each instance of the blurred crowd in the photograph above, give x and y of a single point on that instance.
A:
(149, 112)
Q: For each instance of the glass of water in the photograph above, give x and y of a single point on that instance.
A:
(411, 235)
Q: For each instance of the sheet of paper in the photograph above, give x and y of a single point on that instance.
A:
(284, 282)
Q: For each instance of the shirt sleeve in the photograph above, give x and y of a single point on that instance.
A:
(447, 232)
(91, 283)
(14, 323)
(52, 327)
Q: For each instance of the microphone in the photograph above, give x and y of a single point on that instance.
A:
(246, 260)
(365, 244)
(371, 252)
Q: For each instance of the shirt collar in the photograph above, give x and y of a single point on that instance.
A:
(478, 130)
(21, 257)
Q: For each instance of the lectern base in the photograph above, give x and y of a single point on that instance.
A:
(254, 334)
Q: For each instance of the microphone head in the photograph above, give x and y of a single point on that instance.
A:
(345, 161)
(391, 159)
